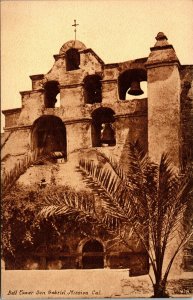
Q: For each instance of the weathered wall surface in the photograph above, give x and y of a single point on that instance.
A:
(89, 62)
(109, 91)
(15, 148)
(164, 112)
(11, 117)
(186, 75)
(71, 95)
(32, 107)
(62, 173)
(130, 124)
(164, 122)
(163, 101)
(78, 136)
(186, 97)
(130, 129)
(28, 114)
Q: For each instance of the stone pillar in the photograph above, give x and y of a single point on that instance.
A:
(32, 106)
(71, 95)
(163, 101)
(109, 91)
(78, 134)
(37, 81)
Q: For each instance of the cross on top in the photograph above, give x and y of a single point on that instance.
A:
(75, 25)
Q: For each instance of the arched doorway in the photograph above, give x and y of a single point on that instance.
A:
(92, 255)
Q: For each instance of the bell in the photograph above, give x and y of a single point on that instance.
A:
(107, 134)
(135, 89)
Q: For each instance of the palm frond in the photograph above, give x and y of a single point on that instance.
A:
(10, 177)
(109, 187)
(114, 165)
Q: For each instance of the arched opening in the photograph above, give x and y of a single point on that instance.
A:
(72, 59)
(103, 132)
(48, 136)
(51, 94)
(92, 89)
(132, 84)
(93, 255)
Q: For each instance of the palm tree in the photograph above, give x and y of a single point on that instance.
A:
(150, 201)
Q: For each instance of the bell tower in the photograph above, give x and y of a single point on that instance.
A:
(163, 101)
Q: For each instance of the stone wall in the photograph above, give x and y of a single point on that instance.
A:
(15, 147)
(11, 117)
(186, 74)
(130, 125)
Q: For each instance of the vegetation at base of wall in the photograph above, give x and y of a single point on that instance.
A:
(19, 208)
(25, 230)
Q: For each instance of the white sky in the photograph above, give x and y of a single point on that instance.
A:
(33, 31)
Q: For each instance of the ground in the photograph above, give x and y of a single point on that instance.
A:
(86, 284)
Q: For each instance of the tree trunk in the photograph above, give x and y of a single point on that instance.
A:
(160, 290)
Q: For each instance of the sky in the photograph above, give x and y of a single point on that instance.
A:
(33, 31)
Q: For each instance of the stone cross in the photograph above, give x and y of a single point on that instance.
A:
(75, 24)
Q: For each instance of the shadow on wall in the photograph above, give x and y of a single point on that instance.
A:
(137, 133)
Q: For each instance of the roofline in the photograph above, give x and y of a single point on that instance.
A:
(115, 65)
(10, 111)
(96, 56)
(186, 66)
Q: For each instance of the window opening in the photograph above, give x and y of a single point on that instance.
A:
(72, 59)
(52, 94)
(103, 132)
(92, 88)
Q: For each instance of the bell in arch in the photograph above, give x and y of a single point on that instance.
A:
(107, 134)
(135, 89)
